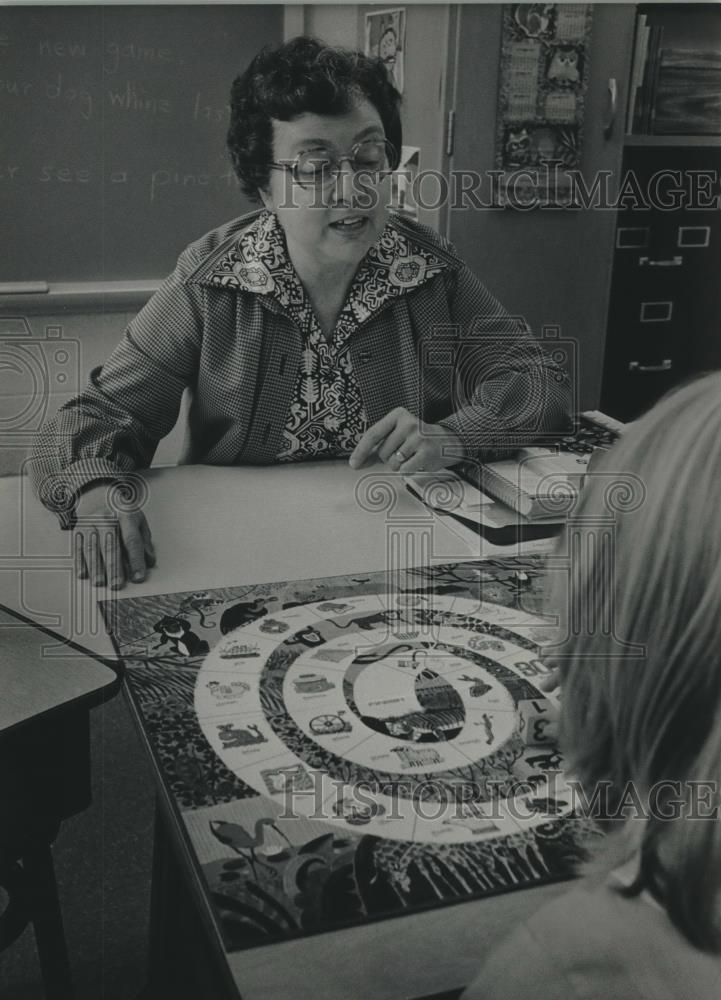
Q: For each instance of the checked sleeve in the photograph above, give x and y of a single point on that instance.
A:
(508, 391)
(114, 425)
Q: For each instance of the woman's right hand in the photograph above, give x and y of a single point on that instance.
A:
(111, 546)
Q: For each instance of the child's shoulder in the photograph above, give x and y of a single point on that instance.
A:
(594, 941)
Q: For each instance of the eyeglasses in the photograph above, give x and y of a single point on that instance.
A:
(317, 168)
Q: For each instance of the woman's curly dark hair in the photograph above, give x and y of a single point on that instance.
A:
(302, 75)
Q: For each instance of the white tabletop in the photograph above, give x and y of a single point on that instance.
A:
(217, 527)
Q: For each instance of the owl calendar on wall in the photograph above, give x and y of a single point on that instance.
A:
(542, 88)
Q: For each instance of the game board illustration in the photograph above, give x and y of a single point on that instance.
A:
(355, 747)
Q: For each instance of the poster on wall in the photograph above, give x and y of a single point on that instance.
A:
(386, 39)
(542, 89)
(402, 198)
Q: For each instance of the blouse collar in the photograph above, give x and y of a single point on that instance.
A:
(258, 262)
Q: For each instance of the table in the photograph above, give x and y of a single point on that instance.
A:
(215, 527)
(48, 689)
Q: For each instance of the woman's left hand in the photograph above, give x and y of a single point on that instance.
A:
(406, 444)
(551, 682)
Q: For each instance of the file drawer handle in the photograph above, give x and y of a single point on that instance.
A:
(664, 366)
(671, 262)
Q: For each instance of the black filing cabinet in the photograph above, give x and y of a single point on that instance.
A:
(664, 318)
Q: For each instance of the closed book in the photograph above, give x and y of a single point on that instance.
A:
(449, 495)
(650, 77)
(536, 482)
(639, 63)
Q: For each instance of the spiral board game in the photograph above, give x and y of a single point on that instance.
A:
(356, 747)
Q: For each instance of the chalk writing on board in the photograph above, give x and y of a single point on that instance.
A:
(64, 175)
(72, 95)
(209, 112)
(113, 121)
(174, 178)
(115, 54)
(129, 96)
(135, 97)
(15, 88)
(62, 49)
(154, 181)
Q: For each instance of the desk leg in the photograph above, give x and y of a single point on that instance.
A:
(161, 911)
(181, 962)
(44, 906)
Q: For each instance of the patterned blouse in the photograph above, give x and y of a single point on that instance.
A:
(327, 417)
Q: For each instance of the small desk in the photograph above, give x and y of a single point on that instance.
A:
(42, 679)
(217, 527)
(48, 689)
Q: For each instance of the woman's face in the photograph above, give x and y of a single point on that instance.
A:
(336, 224)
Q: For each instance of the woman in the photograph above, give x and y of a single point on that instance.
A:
(300, 328)
(640, 725)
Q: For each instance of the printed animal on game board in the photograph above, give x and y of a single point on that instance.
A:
(563, 67)
(231, 737)
(228, 691)
(177, 632)
(545, 762)
(241, 614)
(369, 621)
(549, 806)
(199, 603)
(422, 727)
(236, 837)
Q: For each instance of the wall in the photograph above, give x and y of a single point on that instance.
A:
(91, 338)
(553, 267)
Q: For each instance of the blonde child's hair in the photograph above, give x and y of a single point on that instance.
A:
(652, 714)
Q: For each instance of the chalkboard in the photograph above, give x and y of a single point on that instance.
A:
(112, 134)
